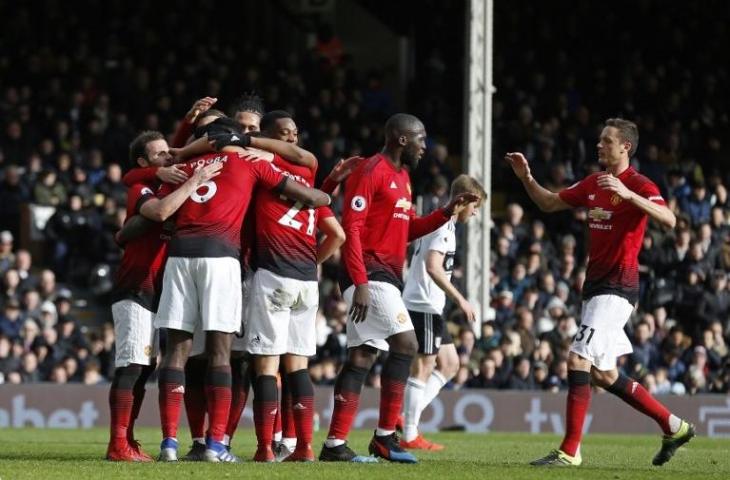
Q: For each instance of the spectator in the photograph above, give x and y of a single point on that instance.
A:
(13, 193)
(10, 320)
(49, 191)
(521, 378)
(7, 257)
(697, 205)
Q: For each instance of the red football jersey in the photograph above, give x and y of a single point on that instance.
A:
(139, 277)
(616, 233)
(379, 221)
(208, 224)
(286, 230)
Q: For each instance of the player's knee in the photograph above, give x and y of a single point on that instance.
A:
(449, 364)
(604, 379)
(576, 362)
(405, 344)
(363, 356)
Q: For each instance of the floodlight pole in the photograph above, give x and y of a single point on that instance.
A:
(478, 146)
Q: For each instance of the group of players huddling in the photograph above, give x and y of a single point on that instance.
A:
(235, 288)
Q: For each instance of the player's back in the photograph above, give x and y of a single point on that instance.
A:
(209, 222)
(286, 241)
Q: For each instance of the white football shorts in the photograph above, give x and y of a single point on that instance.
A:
(281, 315)
(601, 337)
(205, 291)
(387, 316)
(135, 336)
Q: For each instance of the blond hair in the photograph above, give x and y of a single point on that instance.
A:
(466, 184)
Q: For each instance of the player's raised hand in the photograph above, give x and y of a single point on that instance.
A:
(200, 106)
(613, 184)
(468, 310)
(172, 174)
(458, 203)
(519, 165)
(360, 302)
(203, 174)
(344, 168)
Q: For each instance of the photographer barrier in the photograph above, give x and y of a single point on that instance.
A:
(80, 406)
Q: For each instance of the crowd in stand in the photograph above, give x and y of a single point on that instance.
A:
(70, 104)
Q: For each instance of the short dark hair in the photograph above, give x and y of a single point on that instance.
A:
(399, 124)
(248, 102)
(270, 118)
(138, 147)
(628, 132)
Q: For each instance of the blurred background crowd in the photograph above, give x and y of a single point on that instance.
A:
(72, 99)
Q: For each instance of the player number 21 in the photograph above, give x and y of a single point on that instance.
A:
(288, 218)
(579, 336)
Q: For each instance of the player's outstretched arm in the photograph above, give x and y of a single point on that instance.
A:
(435, 269)
(420, 226)
(160, 210)
(288, 151)
(335, 237)
(308, 196)
(133, 228)
(546, 200)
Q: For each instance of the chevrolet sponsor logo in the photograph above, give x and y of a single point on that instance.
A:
(404, 204)
(599, 214)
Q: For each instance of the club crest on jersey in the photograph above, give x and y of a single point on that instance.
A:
(599, 214)
(615, 199)
(358, 203)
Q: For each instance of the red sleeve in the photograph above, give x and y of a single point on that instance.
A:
(165, 190)
(182, 133)
(420, 226)
(137, 195)
(358, 196)
(576, 195)
(651, 192)
(269, 175)
(140, 175)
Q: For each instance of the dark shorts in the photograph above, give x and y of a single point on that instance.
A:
(431, 332)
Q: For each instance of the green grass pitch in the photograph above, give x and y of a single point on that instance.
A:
(77, 455)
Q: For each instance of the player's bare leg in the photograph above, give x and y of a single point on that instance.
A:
(218, 394)
(676, 431)
(347, 398)
(430, 380)
(302, 407)
(172, 387)
(265, 404)
(385, 442)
